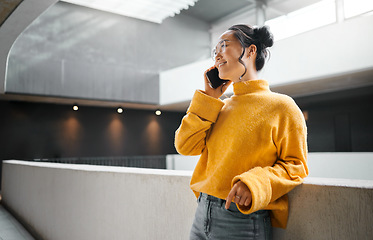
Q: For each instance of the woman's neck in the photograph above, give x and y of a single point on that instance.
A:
(250, 75)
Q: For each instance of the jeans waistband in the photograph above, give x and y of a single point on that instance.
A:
(210, 198)
(221, 202)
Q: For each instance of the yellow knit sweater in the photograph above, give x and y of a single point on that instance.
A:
(256, 136)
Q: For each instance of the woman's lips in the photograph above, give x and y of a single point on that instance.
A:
(221, 64)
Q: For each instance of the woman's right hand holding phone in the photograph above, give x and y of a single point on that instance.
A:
(215, 92)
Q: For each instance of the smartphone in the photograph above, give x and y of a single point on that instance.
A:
(213, 77)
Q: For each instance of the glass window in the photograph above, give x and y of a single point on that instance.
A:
(356, 7)
(304, 19)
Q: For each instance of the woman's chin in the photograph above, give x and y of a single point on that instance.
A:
(223, 76)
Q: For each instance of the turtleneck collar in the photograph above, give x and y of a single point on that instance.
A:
(250, 86)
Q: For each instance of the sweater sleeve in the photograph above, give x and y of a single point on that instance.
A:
(269, 184)
(190, 137)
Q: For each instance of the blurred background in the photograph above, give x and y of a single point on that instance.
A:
(86, 80)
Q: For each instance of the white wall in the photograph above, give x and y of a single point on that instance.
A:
(327, 51)
(63, 201)
(179, 84)
(356, 165)
(180, 162)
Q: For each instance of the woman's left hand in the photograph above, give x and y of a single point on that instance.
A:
(241, 195)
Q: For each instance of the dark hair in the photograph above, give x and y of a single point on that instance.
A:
(261, 37)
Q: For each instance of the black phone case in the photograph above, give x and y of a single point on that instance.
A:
(213, 77)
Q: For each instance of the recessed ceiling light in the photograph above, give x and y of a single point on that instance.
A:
(120, 110)
(158, 112)
(75, 107)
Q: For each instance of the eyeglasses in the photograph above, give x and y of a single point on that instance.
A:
(220, 48)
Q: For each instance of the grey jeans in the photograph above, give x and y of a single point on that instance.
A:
(213, 221)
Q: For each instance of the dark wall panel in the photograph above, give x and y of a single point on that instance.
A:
(320, 130)
(30, 130)
(340, 121)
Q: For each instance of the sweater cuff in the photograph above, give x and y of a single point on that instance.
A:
(260, 188)
(205, 106)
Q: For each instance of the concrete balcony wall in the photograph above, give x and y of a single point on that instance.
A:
(62, 201)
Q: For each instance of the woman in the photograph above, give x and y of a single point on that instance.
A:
(253, 145)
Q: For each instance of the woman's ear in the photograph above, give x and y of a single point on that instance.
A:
(251, 51)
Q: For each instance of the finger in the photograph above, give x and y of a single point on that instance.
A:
(242, 200)
(227, 204)
(230, 197)
(228, 201)
(210, 68)
(247, 202)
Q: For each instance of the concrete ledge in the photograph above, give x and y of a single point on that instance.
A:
(324, 208)
(62, 201)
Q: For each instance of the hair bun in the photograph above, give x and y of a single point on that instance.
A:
(264, 36)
